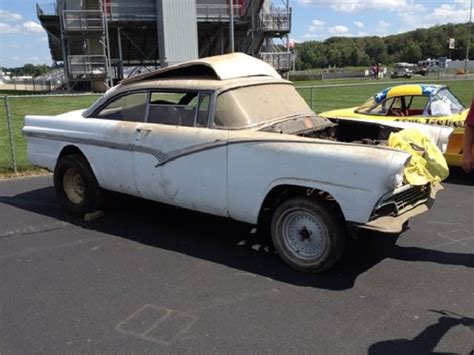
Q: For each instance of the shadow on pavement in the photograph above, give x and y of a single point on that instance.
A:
(227, 242)
(457, 176)
(427, 340)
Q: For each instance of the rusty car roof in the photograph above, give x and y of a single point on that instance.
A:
(221, 67)
(197, 83)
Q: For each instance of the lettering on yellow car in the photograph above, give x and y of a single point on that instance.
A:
(434, 121)
(412, 120)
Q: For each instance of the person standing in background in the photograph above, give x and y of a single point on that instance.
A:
(467, 162)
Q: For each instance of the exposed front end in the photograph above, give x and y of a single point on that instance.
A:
(396, 207)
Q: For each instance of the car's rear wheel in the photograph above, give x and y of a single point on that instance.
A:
(76, 186)
(308, 234)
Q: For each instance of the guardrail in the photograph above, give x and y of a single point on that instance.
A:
(147, 12)
(83, 20)
(216, 12)
(275, 21)
(130, 11)
(86, 66)
(281, 61)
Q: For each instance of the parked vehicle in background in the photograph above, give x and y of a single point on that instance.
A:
(402, 70)
(422, 70)
(418, 103)
(227, 136)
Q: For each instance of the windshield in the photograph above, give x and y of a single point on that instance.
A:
(253, 105)
(367, 106)
(444, 103)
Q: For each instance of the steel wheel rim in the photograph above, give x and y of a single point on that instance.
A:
(73, 186)
(304, 234)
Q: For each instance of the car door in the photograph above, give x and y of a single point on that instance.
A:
(177, 158)
(111, 153)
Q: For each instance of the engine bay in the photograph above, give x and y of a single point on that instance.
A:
(335, 130)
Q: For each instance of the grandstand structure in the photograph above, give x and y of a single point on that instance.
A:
(97, 39)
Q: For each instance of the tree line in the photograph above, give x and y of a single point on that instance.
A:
(28, 70)
(364, 51)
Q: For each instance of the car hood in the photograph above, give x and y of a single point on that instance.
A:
(343, 112)
(298, 125)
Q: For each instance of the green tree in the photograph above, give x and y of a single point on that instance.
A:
(28, 69)
(412, 53)
(334, 57)
(410, 46)
(377, 50)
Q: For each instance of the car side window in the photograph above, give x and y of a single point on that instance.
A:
(202, 119)
(417, 105)
(131, 107)
(173, 108)
(189, 109)
(382, 108)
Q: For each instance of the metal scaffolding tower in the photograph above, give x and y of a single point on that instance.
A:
(99, 40)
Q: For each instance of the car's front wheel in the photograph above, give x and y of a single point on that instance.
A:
(308, 234)
(76, 186)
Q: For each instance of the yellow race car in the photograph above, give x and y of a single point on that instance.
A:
(417, 103)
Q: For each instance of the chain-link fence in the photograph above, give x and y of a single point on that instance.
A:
(12, 143)
(13, 157)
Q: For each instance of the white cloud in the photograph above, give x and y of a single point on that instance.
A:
(383, 25)
(446, 13)
(463, 3)
(318, 23)
(338, 30)
(26, 27)
(313, 36)
(10, 16)
(394, 16)
(31, 26)
(6, 28)
(383, 28)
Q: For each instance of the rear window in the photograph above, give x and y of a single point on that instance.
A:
(253, 105)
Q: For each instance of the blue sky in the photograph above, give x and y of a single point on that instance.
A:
(22, 40)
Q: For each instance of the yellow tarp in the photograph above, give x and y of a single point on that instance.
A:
(427, 164)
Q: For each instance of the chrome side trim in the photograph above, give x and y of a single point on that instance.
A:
(159, 155)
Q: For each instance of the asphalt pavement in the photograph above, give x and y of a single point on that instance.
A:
(148, 278)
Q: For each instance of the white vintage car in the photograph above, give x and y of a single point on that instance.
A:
(227, 136)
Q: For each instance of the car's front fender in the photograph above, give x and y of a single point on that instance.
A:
(355, 175)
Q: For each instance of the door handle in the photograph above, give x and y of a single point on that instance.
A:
(146, 130)
(142, 132)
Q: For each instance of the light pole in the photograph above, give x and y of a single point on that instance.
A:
(468, 39)
(231, 25)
